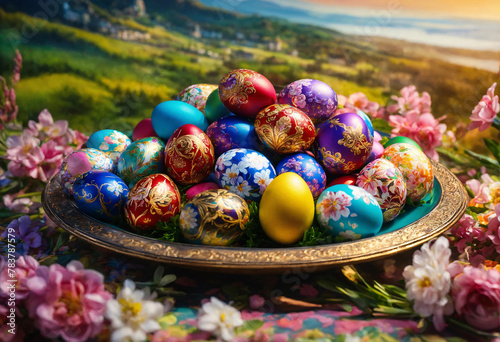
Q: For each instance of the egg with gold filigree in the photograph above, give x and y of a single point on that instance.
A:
(152, 199)
(111, 141)
(307, 168)
(245, 92)
(142, 158)
(232, 132)
(189, 155)
(244, 172)
(284, 129)
(81, 161)
(101, 195)
(214, 217)
(315, 98)
(415, 167)
(384, 181)
(343, 143)
(348, 212)
(196, 95)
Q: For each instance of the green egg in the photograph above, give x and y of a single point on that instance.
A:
(398, 140)
(214, 109)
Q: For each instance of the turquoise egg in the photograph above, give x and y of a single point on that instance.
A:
(111, 141)
(142, 158)
(367, 120)
(100, 194)
(170, 115)
(349, 212)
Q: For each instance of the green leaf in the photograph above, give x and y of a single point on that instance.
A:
(483, 159)
(169, 278)
(158, 273)
(63, 238)
(381, 125)
(252, 324)
(494, 147)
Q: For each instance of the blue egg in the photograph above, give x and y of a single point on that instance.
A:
(306, 167)
(367, 120)
(111, 141)
(170, 115)
(232, 132)
(349, 212)
(244, 172)
(100, 194)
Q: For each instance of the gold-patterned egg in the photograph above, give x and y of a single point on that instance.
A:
(214, 217)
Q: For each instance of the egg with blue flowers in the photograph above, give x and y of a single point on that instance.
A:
(142, 158)
(349, 212)
(101, 195)
(244, 172)
(307, 168)
(111, 141)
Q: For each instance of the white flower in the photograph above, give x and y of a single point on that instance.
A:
(219, 318)
(241, 188)
(428, 281)
(133, 314)
(231, 175)
(226, 157)
(350, 235)
(262, 179)
(187, 219)
(115, 188)
(255, 160)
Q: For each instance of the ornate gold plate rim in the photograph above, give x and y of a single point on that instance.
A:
(447, 212)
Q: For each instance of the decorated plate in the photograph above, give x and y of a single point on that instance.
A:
(411, 229)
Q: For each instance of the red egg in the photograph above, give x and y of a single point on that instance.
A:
(347, 180)
(285, 129)
(189, 155)
(245, 92)
(144, 129)
(153, 199)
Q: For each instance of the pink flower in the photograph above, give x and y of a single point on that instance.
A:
(466, 231)
(20, 205)
(359, 101)
(69, 302)
(480, 190)
(256, 301)
(494, 228)
(476, 294)
(46, 127)
(410, 100)
(485, 111)
(25, 268)
(24, 154)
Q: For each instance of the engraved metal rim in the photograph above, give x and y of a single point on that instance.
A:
(450, 208)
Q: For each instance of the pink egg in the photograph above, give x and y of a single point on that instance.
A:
(195, 190)
(376, 136)
(377, 151)
(144, 129)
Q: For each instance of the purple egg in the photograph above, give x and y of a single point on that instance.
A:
(344, 143)
(377, 151)
(315, 98)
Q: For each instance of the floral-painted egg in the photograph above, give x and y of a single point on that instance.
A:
(143, 129)
(232, 132)
(214, 217)
(153, 199)
(81, 161)
(189, 155)
(142, 158)
(100, 194)
(196, 95)
(384, 181)
(110, 141)
(349, 212)
(214, 108)
(245, 172)
(415, 167)
(344, 143)
(285, 129)
(198, 188)
(245, 92)
(306, 167)
(315, 98)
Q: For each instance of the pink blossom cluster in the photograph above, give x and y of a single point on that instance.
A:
(485, 111)
(360, 101)
(8, 112)
(41, 148)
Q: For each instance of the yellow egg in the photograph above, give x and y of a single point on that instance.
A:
(286, 210)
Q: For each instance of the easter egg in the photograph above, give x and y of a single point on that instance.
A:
(367, 121)
(376, 136)
(315, 98)
(377, 151)
(415, 167)
(198, 188)
(189, 155)
(100, 194)
(144, 129)
(214, 217)
(152, 199)
(307, 168)
(244, 172)
(214, 108)
(142, 158)
(348, 212)
(196, 95)
(343, 143)
(110, 141)
(348, 180)
(232, 132)
(285, 220)
(170, 115)
(245, 92)
(81, 161)
(285, 129)
(402, 140)
(384, 181)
